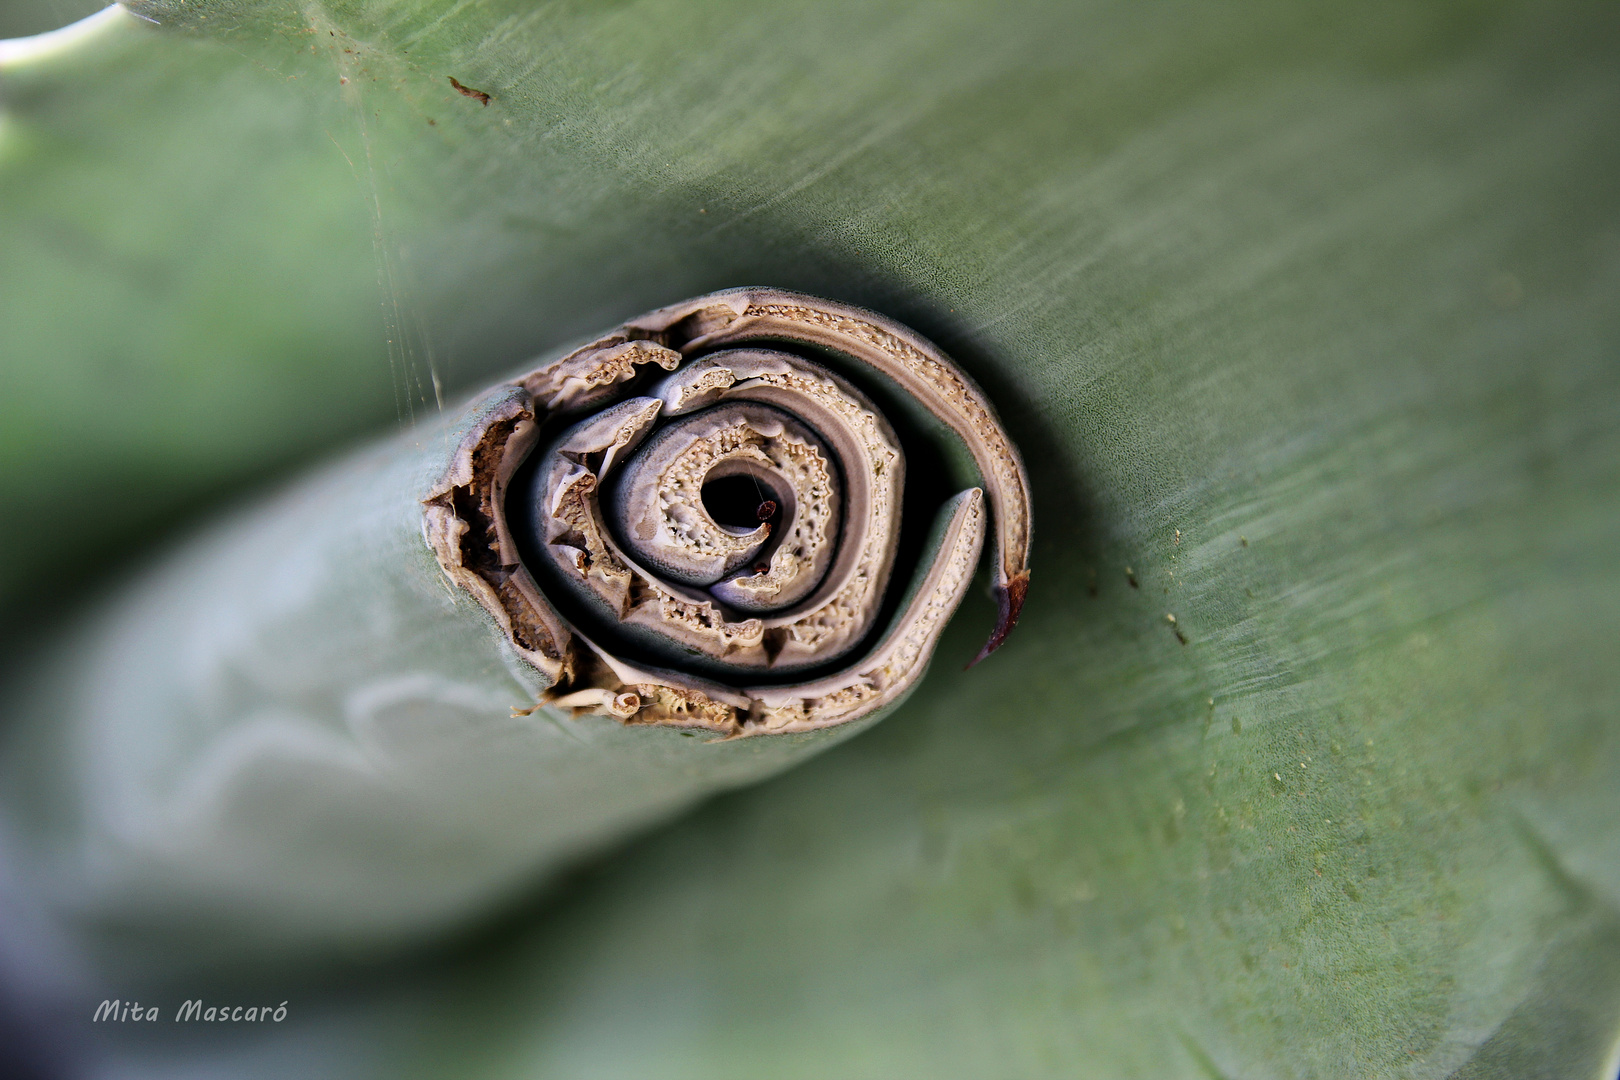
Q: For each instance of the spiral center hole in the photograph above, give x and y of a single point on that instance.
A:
(740, 502)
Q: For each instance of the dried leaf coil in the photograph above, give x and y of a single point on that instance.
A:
(695, 520)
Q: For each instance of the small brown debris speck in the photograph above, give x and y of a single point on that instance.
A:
(468, 91)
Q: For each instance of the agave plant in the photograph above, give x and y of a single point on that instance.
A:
(1299, 763)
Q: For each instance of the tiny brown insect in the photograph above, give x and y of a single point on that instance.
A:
(469, 91)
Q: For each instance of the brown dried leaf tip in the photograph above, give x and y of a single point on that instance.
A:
(1009, 603)
(696, 520)
(468, 91)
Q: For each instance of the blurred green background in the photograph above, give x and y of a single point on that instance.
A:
(26, 17)
(1304, 316)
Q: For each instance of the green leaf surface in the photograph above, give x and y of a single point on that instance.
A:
(1305, 318)
(22, 18)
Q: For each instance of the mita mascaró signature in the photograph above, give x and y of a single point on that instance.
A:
(114, 1010)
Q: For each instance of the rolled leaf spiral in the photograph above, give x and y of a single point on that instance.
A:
(583, 515)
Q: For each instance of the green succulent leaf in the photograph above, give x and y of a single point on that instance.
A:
(1302, 760)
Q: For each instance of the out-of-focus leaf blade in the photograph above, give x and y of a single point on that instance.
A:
(21, 18)
(1306, 320)
(187, 288)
